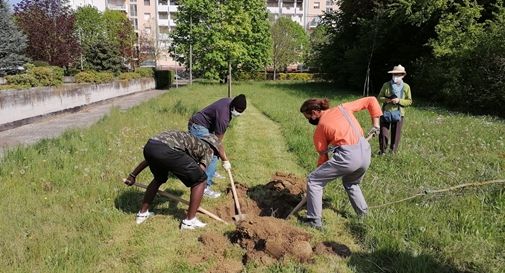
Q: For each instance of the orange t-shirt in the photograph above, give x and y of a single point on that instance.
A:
(333, 128)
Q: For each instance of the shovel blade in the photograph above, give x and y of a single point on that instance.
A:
(239, 217)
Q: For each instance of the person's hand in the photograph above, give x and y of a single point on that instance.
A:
(395, 101)
(227, 165)
(130, 180)
(374, 131)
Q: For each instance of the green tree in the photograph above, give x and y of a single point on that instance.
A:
(104, 56)
(90, 28)
(288, 43)
(12, 42)
(221, 33)
(120, 33)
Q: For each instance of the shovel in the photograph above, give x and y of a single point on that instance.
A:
(239, 217)
(176, 198)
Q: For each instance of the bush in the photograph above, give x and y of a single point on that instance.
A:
(38, 76)
(24, 80)
(91, 76)
(255, 76)
(129, 76)
(40, 63)
(164, 78)
(300, 76)
(145, 72)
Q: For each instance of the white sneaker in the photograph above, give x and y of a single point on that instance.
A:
(218, 176)
(141, 217)
(192, 224)
(210, 193)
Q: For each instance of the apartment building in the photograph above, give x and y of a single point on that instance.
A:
(156, 18)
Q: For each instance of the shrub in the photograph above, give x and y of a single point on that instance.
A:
(163, 78)
(38, 76)
(299, 76)
(255, 76)
(24, 80)
(91, 76)
(145, 71)
(129, 76)
(40, 63)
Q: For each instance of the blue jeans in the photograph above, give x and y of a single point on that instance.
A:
(199, 131)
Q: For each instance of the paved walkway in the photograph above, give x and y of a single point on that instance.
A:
(53, 126)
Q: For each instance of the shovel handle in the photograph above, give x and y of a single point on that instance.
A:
(304, 200)
(177, 198)
(234, 191)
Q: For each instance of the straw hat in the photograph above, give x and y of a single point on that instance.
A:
(399, 69)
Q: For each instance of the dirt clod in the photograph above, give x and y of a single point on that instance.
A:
(332, 248)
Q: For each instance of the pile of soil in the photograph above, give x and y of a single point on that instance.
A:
(214, 246)
(332, 248)
(267, 239)
(276, 198)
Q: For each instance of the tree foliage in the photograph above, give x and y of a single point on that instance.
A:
(435, 40)
(220, 32)
(120, 33)
(288, 43)
(12, 42)
(49, 26)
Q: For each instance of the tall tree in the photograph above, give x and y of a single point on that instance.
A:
(221, 33)
(120, 33)
(90, 29)
(289, 41)
(49, 26)
(12, 42)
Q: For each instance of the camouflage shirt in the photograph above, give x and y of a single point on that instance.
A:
(198, 149)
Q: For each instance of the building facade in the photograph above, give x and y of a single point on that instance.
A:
(154, 19)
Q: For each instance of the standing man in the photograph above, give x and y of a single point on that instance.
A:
(215, 119)
(186, 157)
(339, 128)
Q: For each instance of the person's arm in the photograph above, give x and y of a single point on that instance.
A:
(133, 175)
(321, 145)
(407, 98)
(222, 152)
(382, 94)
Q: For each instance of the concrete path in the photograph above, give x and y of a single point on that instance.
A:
(55, 125)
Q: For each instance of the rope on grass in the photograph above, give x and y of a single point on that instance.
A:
(426, 192)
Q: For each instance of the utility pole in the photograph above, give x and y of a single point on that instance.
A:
(229, 78)
(190, 49)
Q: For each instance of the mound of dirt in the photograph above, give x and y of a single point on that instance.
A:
(265, 238)
(332, 248)
(276, 198)
(214, 246)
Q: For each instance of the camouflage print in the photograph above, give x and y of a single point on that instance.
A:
(198, 149)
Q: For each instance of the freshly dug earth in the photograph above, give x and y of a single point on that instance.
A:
(276, 198)
(215, 246)
(269, 238)
(332, 248)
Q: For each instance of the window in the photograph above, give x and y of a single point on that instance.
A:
(317, 5)
(163, 15)
(147, 2)
(173, 15)
(133, 10)
(147, 16)
(163, 29)
(135, 23)
(173, 2)
(163, 2)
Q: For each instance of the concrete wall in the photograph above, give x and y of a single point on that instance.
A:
(18, 107)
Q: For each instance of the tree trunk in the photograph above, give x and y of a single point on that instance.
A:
(229, 79)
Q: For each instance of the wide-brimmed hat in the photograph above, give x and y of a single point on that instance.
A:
(399, 69)
(212, 140)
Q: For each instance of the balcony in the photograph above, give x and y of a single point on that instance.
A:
(163, 22)
(116, 5)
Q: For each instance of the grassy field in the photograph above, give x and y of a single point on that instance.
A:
(66, 210)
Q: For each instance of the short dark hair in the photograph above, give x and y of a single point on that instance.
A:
(239, 103)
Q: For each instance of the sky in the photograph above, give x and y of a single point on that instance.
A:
(13, 2)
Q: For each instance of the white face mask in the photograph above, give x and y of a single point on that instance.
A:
(397, 79)
(235, 113)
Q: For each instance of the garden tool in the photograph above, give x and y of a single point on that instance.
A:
(176, 198)
(239, 217)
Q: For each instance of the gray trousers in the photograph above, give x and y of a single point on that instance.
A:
(349, 162)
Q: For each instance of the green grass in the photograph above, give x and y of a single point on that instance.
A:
(66, 210)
